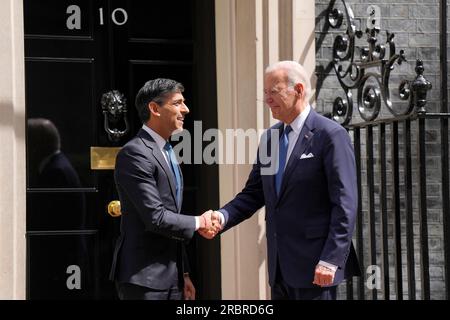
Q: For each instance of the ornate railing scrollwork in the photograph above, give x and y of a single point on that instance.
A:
(362, 73)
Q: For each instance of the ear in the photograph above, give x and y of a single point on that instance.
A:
(153, 107)
(299, 88)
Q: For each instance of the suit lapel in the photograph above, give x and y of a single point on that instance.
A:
(157, 154)
(303, 141)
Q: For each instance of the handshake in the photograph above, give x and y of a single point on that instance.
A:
(210, 224)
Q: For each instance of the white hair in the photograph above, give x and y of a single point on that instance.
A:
(296, 73)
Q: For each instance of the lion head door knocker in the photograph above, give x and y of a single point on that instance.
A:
(114, 107)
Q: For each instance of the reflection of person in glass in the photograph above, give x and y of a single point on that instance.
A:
(49, 167)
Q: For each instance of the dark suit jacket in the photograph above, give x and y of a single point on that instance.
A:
(150, 249)
(313, 218)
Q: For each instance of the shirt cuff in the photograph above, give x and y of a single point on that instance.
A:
(222, 218)
(197, 223)
(328, 265)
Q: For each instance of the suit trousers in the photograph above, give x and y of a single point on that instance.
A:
(130, 291)
(282, 291)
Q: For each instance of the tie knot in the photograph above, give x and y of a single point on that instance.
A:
(167, 146)
(287, 129)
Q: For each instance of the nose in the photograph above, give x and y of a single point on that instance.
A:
(184, 109)
(269, 99)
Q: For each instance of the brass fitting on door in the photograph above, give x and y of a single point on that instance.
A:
(114, 209)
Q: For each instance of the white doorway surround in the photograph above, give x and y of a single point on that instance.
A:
(12, 154)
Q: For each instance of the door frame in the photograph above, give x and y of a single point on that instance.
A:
(12, 163)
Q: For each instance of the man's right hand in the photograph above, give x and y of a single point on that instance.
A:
(209, 224)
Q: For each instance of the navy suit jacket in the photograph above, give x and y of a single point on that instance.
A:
(313, 217)
(150, 249)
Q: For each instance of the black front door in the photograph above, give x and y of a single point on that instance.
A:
(75, 52)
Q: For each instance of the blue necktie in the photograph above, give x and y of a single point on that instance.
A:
(282, 155)
(175, 169)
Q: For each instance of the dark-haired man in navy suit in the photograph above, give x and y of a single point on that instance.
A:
(311, 199)
(150, 261)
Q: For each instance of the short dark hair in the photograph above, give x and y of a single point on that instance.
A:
(155, 90)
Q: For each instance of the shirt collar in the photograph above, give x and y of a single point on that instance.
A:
(160, 141)
(298, 122)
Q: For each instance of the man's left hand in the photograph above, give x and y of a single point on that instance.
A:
(189, 289)
(323, 276)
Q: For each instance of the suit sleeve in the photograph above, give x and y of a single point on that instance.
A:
(340, 167)
(186, 265)
(134, 176)
(247, 202)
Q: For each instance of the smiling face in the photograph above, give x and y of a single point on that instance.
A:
(168, 117)
(283, 99)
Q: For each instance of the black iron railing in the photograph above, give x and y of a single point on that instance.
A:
(392, 231)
